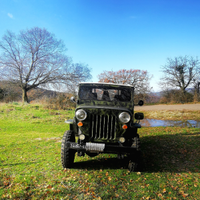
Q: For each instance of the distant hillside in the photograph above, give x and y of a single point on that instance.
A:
(39, 93)
(12, 92)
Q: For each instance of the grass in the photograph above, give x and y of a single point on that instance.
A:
(173, 115)
(30, 168)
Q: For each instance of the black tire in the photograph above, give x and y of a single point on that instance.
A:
(135, 157)
(132, 166)
(136, 143)
(67, 154)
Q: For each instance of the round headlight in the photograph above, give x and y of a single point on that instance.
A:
(81, 115)
(124, 117)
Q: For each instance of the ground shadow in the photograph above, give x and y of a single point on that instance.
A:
(171, 153)
(164, 153)
(102, 163)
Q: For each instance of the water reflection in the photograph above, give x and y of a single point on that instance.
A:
(156, 122)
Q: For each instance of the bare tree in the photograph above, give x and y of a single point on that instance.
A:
(138, 78)
(180, 72)
(36, 58)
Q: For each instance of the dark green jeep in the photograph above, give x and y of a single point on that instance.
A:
(104, 123)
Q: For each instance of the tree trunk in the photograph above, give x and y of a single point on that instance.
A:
(24, 95)
(183, 95)
(183, 91)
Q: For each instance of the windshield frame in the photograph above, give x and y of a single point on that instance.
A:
(112, 94)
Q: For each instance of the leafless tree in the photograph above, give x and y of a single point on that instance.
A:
(138, 78)
(180, 72)
(35, 58)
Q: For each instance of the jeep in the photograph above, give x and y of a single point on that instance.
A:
(103, 123)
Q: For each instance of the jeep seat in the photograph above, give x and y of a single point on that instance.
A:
(105, 96)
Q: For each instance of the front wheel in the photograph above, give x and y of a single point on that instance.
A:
(132, 166)
(135, 157)
(67, 154)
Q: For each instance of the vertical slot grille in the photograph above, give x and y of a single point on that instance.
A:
(103, 127)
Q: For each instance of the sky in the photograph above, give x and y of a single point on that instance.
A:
(113, 34)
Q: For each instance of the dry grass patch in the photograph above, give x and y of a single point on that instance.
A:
(173, 115)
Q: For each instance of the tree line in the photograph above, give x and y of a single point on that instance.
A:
(35, 58)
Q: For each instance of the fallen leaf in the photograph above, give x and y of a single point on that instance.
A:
(164, 190)
(160, 195)
(184, 195)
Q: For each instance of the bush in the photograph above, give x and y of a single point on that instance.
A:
(9, 92)
(176, 96)
(60, 102)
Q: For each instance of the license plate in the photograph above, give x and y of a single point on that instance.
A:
(95, 147)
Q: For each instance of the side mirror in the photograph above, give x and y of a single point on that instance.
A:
(72, 99)
(141, 103)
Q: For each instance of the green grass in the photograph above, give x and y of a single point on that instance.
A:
(30, 167)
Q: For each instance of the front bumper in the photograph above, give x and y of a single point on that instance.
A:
(101, 148)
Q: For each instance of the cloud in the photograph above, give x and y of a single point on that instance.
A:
(10, 15)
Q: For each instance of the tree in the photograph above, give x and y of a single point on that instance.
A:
(36, 58)
(137, 78)
(180, 72)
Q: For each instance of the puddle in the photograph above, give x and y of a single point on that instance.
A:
(156, 122)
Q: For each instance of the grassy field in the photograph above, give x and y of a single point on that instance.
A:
(30, 168)
(182, 115)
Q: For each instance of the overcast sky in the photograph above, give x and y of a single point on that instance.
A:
(113, 34)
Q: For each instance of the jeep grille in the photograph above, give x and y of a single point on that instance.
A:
(103, 127)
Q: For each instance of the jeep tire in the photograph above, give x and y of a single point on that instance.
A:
(134, 158)
(67, 154)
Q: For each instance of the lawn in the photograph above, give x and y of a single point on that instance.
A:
(30, 167)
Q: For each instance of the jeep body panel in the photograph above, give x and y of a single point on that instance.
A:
(102, 123)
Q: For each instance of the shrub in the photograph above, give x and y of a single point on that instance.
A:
(176, 96)
(60, 102)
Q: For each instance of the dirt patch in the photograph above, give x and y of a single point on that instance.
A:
(168, 107)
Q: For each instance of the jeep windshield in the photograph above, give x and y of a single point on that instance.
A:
(104, 93)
